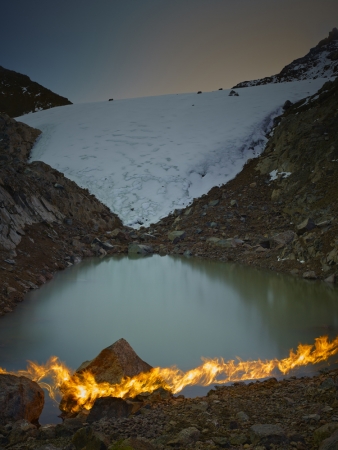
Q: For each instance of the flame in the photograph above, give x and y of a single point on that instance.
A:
(80, 390)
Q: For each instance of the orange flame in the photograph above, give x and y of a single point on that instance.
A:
(81, 390)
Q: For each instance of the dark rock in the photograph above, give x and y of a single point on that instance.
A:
(109, 407)
(86, 438)
(283, 238)
(176, 236)
(21, 431)
(199, 92)
(306, 225)
(330, 279)
(287, 105)
(46, 432)
(20, 398)
(330, 443)
(67, 428)
(324, 432)
(233, 93)
(310, 275)
(140, 249)
(266, 434)
(187, 436)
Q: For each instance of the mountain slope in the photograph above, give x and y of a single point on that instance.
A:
(20, 95)
(321, 61)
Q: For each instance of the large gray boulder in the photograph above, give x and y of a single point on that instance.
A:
(20, 398)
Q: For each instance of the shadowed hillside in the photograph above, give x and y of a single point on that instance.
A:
(20, 95)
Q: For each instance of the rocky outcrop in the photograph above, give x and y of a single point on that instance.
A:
(115, 362)
(20, 398)
(111, 365)
(20, 95)
(321, 61)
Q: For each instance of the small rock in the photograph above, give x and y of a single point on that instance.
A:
(238, 439)
(86, 438)
(213, 203)
(330, 279)
(327, 384)
(330, 443)
(266, 433)
(287, 105)
(306, 225)
(242, 416)
(140, 249)
(308, 417)
(187, 253)
(310, 275)
(185, 437)
(107, 245)
(233, 93)
(10, 290)
(234, 203)
(324, 432)
(176, 236)
(109, 407)
(253, 185)
(10, 261)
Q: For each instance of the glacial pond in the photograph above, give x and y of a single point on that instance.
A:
(171, 310)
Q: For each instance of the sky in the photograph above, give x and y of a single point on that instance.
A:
(90, 51)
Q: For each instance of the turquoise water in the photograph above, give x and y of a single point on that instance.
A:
(172, 311)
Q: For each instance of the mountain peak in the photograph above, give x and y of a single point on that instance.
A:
(320, 62)
(20, 95)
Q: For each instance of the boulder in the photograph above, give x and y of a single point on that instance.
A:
(283, 239)
(187, 436)
(109, 407)
(310, 275)
(86, 438)
(330, 443)
(140, 249)
(323, 432)
(266, 434)
(176, 236)
(20, 398)
(21, 431)
(306, 225)
(111, 365)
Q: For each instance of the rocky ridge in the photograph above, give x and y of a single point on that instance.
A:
(20, 95)
(321, 61)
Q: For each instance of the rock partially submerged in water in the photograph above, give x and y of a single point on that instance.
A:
(20, 398)
(111, 365)
(115, 362)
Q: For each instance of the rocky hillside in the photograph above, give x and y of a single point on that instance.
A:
(281, 211)
(43, 216)
(321, 61)
(20, 95)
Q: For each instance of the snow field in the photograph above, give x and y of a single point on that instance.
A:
(144, 157)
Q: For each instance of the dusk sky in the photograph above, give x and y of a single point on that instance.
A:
(90, 50)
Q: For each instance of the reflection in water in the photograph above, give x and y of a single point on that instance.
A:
(171, 310)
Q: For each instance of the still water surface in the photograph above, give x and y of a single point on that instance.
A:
(171, 310)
